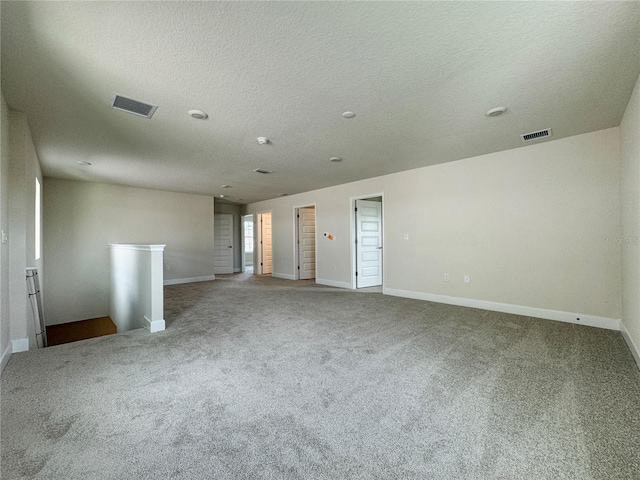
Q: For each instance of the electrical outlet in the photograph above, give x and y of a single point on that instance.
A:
(446, 277)
(4, 237)
(406, 236)
(167, 267)
(466, 279)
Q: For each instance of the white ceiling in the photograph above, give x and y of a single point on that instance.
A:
(418, 75)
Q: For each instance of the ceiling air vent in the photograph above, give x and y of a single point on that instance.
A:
(527, 137)
(130, 105)
(262, 170)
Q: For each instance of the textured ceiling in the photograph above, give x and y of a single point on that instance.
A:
(418, 75)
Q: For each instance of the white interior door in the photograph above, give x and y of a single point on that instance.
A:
(368, 243)
(306, 243)
(265, 243)
(222, 243)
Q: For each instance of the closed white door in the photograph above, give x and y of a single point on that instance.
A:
(223, 243)
(307, 243)
(266, 245)
(368, 243)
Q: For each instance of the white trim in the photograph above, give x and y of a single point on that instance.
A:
(569, 317)
(237, 270)
(154, 326)
(6, 356)
(334, 283)
(178, 281)
(284, 276)
(635, 351)
(145, 248)
(20, 345)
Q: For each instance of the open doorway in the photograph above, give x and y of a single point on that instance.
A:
(368, 241)
(247, 243)
(264, 251)
(305, 242)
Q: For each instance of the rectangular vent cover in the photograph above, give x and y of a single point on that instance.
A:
(527, 137)
(262, 170)
(130, 105)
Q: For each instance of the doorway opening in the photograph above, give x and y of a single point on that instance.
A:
(247, 243)
(265, 245)
(367, 234)
(305, 242)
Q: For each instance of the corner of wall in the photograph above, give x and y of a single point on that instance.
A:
(635, 349)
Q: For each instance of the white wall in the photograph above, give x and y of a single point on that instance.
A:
(81, 219)
(5, 324)
(630, 241)
(137, 297)
(533, 227)
(20, 168)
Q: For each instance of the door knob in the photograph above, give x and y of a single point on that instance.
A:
(230, 246)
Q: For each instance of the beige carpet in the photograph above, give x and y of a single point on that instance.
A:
(259, 378)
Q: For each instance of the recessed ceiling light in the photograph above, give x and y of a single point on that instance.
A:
(348, 114)
(283, 194)
(83, 163)
(335, 159)
(263, 140)
(494, 112)
(198, 114)
(226, 186)
(222, 196)
(262, 170)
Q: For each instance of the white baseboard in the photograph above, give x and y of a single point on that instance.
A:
(284, 276)
(333, 283)
(569, 317)
(19, 345)
(154, 325)
(635, 351)
(6, 355)
(178, 281)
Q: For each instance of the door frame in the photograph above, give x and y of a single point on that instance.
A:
(296, 245)
(257, 233)
(353, 252)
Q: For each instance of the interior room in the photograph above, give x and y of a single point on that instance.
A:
(290, 240)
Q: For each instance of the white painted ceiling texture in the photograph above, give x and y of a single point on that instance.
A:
(419, 77)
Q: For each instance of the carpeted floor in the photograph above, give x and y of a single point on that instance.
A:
(259, 378)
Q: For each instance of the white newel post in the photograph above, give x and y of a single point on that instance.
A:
(137, 298)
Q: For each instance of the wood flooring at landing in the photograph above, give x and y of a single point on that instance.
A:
(81, 330)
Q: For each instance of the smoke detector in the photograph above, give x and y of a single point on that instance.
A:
(263, 140)
(198, 114)
(494, 112)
